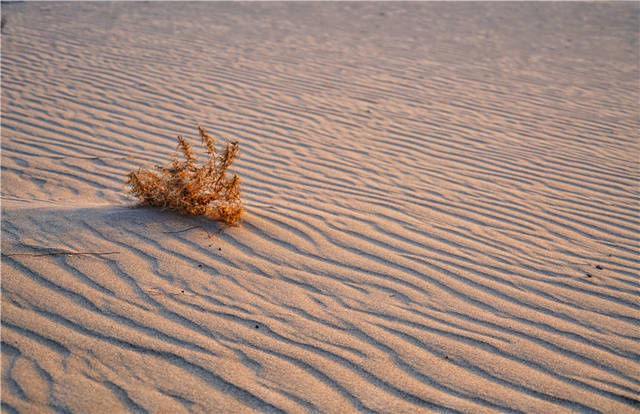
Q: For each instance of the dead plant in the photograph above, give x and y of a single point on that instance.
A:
(191, 188)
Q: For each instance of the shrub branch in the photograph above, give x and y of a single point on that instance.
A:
(191, 188)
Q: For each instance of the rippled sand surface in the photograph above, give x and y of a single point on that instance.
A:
(441, 208)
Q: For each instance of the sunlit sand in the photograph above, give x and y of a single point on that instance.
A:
(440, 208)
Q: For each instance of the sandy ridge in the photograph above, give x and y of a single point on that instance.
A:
(440, 216)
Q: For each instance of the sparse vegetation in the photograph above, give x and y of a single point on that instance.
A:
(191, 188)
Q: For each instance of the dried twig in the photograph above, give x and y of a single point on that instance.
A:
(181, 231)
(192, 188)
(59, 254)
(220, 230)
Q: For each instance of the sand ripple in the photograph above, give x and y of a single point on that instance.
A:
(442, 208)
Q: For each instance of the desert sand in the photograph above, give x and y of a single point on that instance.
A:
(441, 208)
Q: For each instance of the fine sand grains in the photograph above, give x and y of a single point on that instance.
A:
(440, 208)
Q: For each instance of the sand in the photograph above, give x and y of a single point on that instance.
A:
(441, 208)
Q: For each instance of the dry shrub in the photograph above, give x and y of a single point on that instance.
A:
(191, 188)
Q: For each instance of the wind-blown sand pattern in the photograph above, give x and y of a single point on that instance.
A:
(441, 208)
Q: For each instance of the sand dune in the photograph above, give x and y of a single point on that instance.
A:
(441, 208)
